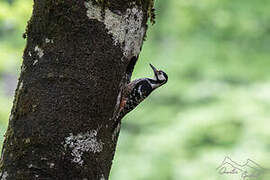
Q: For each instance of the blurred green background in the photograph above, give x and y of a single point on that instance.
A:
(216, 102)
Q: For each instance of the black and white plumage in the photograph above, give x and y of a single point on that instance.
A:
(136, 91)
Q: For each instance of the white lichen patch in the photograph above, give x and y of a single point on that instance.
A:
(30, 54)
(93, 12)
(35, 62)
(27, 140)
(83, 143)
(20, 86)
(10, 117)
(39, 51)
(23, 68)
(43, 158)
(102, 177)
(126, 29)
(2, 155)
(51, 165)
(4, 176)
(47, 40)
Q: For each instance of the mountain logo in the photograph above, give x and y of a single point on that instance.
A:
(246, 171)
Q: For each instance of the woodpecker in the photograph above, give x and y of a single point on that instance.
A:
(136, 91)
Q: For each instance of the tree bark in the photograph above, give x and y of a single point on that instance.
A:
(79, 55)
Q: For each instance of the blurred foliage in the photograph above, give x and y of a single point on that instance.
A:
(216, 102)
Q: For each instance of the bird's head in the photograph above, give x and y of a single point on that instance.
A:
(160, 76)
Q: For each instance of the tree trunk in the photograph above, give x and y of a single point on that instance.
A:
(78, 57)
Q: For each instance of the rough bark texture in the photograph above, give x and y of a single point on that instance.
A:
(75, 63)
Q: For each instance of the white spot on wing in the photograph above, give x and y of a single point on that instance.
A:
(139, 90)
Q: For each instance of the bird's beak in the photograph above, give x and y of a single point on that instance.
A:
(154, 69)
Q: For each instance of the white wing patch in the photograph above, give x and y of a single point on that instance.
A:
(139, 90)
